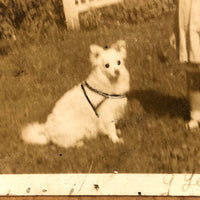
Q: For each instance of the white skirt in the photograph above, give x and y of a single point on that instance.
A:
(189, 30)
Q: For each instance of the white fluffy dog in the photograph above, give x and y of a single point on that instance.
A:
(91, 107)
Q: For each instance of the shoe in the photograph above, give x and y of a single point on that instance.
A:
(192, 125)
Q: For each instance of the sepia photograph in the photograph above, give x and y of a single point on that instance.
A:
(99, 86)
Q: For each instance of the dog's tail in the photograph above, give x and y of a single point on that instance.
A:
(34, 134)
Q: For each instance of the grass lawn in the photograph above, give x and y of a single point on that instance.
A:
(36, 74)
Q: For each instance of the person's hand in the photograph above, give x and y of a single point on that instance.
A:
(172, 40)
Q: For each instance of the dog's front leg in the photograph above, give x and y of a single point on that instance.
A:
(112, 132)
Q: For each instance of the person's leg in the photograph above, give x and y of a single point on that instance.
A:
(193, 84)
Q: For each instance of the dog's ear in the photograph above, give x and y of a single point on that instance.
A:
(120, 46)
(95, 50)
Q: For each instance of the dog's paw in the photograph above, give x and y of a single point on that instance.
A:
(117, 140)
(121, 141)
(119, 133)
(79, 144)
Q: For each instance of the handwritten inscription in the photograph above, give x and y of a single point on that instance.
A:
(167, 180)
(151, 184)
(189, 181)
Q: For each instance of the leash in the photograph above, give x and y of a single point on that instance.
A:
(107, 96)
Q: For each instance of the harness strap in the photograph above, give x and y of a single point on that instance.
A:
(84, 92)
(111, 96)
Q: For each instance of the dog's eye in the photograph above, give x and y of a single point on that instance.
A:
(118, 62)
(107, 65)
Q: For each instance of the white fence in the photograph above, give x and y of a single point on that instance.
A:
(72, 8)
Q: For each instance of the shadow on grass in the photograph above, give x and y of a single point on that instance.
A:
(161, 104)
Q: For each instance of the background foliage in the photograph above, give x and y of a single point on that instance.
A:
(132, 11)
(36, 18)
(30, 16)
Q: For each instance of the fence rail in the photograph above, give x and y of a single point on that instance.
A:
(72, 8)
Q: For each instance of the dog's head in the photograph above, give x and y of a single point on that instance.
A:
(110, 61)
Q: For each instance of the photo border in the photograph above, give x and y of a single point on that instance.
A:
(115, 184)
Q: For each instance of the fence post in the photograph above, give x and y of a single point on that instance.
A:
(71, 14)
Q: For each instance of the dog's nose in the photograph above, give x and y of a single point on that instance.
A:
(117, 72)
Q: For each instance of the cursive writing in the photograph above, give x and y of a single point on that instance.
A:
(167, 180)
(189, 181)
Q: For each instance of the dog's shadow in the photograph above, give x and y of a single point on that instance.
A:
(160, 104)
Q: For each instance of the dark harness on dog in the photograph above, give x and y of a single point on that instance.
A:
(105, 95)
